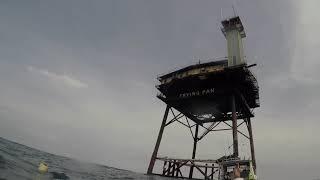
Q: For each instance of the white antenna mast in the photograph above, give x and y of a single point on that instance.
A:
(234, 11)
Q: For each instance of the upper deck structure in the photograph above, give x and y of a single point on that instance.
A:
(202, 91)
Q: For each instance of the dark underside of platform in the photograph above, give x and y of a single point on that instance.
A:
(206, 97)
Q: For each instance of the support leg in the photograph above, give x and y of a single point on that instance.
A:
(195, 142)
(253, 157)
(156, 148)
(234, 127)
(206, 171)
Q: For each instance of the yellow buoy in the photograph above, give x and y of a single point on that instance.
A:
(43, 168)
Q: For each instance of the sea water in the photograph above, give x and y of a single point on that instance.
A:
(21, 162)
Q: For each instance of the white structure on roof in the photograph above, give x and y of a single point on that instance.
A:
(234, 32)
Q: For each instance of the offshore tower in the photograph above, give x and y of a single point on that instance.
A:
(206, 96)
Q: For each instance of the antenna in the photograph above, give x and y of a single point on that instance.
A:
(234, 11)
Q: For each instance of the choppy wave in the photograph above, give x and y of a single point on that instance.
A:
(21, 162)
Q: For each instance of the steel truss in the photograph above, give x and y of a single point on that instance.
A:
(207, 168)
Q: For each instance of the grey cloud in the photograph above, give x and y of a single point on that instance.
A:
(66, 79)
(117, 48)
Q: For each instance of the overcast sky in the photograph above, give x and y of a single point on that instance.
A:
(77, 78)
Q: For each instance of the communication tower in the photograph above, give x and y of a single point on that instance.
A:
(206, 96)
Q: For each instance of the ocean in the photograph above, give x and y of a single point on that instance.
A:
(21, 162)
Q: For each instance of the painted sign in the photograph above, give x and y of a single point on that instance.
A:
(197, 93)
